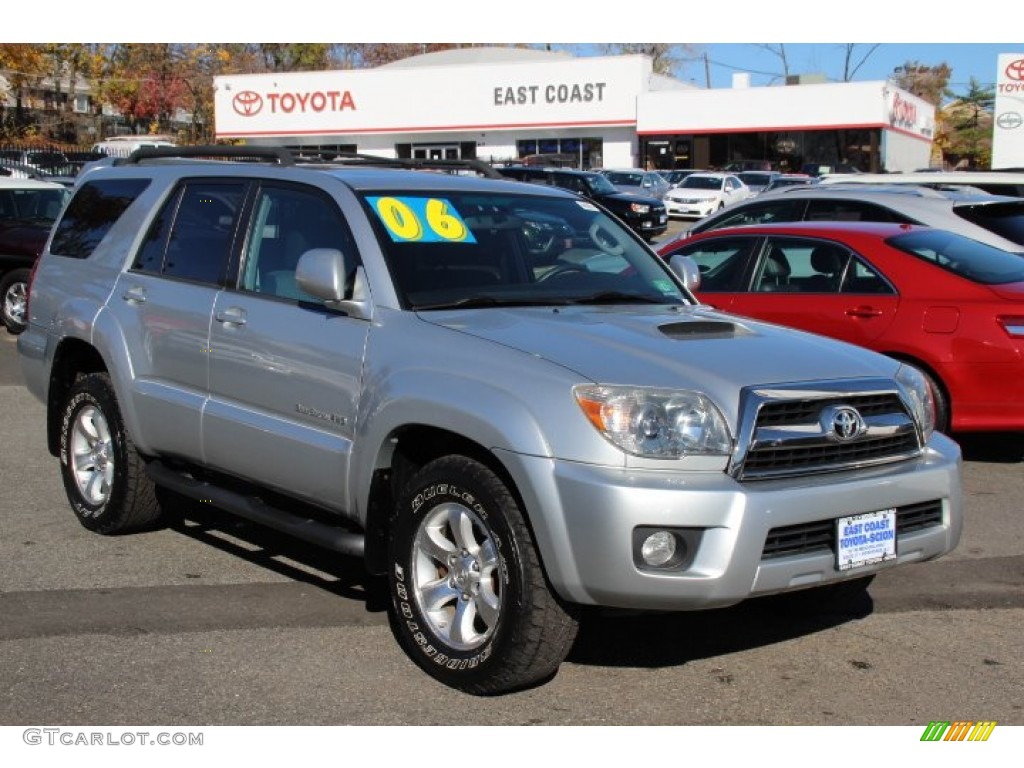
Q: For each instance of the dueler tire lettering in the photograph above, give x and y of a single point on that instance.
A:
(469, 601)
(104, 476)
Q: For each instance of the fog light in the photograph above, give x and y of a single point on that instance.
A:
(658, 548)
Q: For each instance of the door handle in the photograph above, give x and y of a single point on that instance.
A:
(864, 312)
(231, 316)
(135, 295)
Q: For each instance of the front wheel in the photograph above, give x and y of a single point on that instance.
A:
(469, 600)
(104, 476)
(14, 298)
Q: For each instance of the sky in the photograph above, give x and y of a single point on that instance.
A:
(731, 33)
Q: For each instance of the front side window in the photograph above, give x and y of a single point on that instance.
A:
(722, 262)
(286, 223)
(852, 210)
(456, 249)
(94, 209)
(765, 212)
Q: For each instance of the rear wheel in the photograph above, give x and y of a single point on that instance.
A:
(469, 600)
(14, 298)
(104, 476)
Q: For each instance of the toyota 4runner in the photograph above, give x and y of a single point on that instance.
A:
(494, 393)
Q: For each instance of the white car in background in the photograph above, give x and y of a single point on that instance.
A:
(701, 194)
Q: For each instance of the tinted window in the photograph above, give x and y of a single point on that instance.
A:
(192, 235)
(756, 213)
(962, 256)
(1005, 219)
(852, 210)
(91, 213)
(41, 204)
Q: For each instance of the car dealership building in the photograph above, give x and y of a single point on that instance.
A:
(506, 104)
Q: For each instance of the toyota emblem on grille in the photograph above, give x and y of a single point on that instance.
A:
(843, 423)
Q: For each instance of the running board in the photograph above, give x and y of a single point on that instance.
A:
(255, 510)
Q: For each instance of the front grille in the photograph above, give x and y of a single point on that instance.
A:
(772, 460)
(820, 536)
(787, 437)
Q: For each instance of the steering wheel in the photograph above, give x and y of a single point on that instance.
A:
(564, 269)
(605, 239)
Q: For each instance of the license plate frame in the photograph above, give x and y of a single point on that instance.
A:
(865, 539)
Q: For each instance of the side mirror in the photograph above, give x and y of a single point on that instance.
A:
(686, 269)
(322, 272)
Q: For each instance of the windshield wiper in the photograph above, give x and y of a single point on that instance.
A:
(470, 302)
(619, 297)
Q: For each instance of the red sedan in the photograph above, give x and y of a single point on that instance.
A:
(952, 306)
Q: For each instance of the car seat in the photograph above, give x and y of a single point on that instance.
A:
(828, 263)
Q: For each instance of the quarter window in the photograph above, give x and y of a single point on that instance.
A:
(92, 212)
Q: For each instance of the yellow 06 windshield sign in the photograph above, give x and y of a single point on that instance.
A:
(421, 220)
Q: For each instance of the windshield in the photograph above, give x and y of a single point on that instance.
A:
(755, 178)
(40, 204)
(962, 256)
(702, 182)
(454, 249)
(625, 179)
(600, 185)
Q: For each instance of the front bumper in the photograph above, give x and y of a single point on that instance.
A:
(698, 209)
(584, 517)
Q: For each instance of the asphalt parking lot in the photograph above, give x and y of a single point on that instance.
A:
(215, 622)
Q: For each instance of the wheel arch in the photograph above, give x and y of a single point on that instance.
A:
(73, 358)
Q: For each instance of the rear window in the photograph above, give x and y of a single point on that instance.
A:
(962, 256)
(91, 213)
(1004, 219)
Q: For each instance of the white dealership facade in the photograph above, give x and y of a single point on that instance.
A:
(501, 104)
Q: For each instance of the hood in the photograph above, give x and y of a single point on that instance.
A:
(682, 193)
(684, 348)
(626, 196)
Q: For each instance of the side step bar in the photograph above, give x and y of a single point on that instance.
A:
(255, 510)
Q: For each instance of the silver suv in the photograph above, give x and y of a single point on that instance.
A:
(493, 393)
(993, 219)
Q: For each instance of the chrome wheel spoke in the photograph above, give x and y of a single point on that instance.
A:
(437, 595)
(462, 631)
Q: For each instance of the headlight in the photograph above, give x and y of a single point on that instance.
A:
(656, 423)
(922, 399)
(637, 208)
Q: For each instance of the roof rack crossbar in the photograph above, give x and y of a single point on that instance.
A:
(358, 158)
(280, 155)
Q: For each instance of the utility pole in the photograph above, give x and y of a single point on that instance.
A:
(707, 71)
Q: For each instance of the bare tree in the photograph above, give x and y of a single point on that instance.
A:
(849, 67)
(778, 49)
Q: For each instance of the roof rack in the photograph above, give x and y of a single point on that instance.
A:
(280, 155)
(290, 157)
(332, 157)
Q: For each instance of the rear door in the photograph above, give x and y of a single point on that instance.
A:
(163, 305)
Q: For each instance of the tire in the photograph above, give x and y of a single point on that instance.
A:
(469, 601)
(104, 476)
(13, 300)
(942, 414)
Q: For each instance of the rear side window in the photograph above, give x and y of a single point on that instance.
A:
(1004, 219)
(852, 210)
(192, 236)
(91, 213)
(764, 212)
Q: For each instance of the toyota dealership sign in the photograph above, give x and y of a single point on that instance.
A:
(1008, 127)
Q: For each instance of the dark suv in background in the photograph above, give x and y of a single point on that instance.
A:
(644, 215)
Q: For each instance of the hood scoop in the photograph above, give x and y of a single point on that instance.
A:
(701, 329)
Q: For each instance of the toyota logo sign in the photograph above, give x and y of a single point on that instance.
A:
(247, 103)
(1015, 70)
(842, 423)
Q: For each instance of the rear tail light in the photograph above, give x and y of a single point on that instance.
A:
(1012, 324)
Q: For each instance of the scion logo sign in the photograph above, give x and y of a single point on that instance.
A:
(1009, 120)
(247, 103)
(250, 103)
